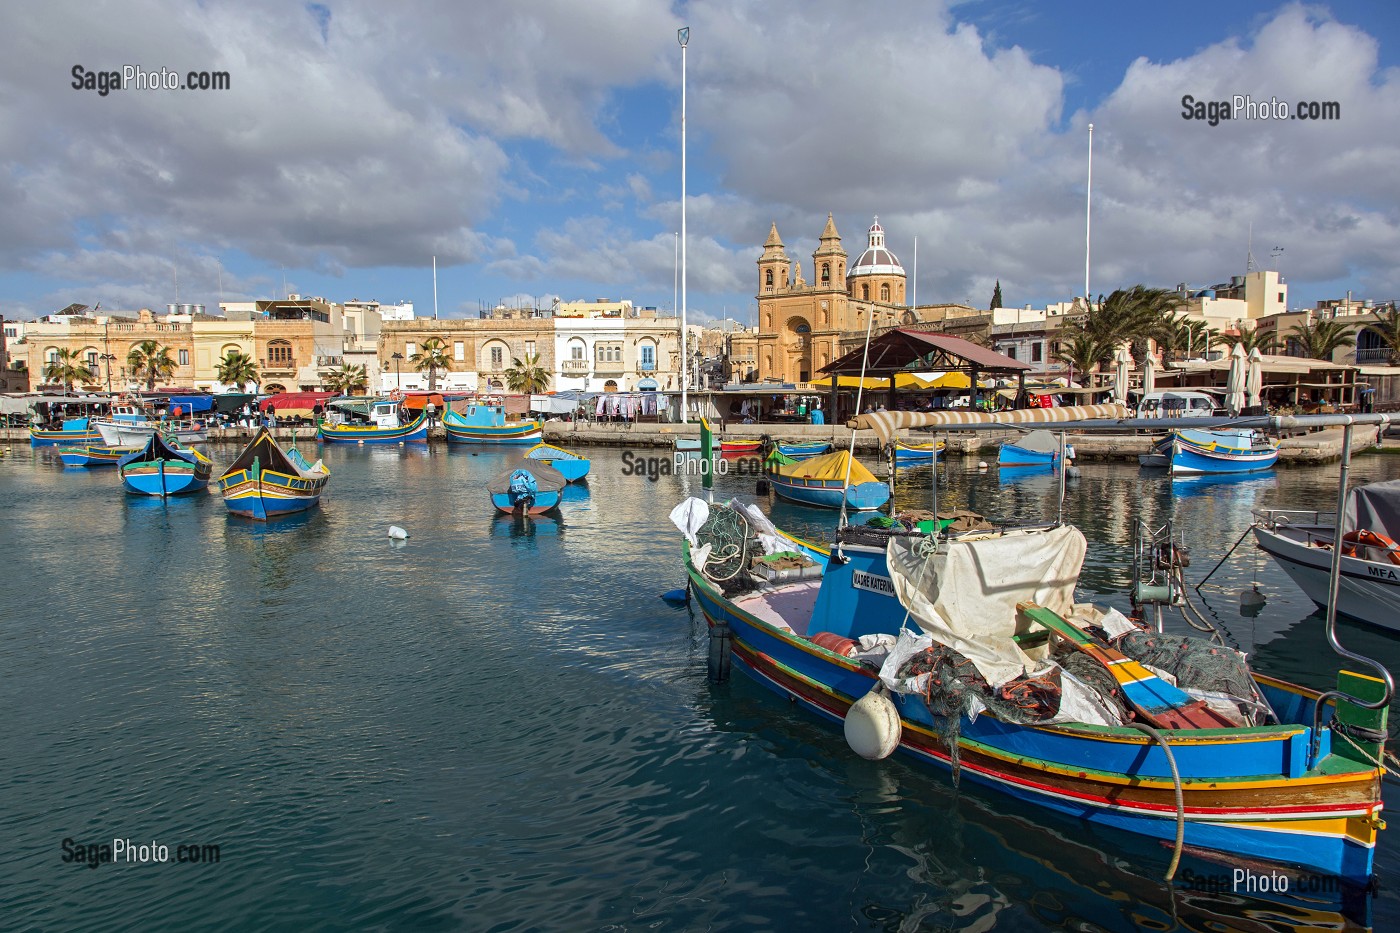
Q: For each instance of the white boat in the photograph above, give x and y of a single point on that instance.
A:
(130, 425)
(1302, 542)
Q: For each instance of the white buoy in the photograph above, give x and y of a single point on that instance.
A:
(1251, 597)
(981, 464)
(872, 725)
(397, 533)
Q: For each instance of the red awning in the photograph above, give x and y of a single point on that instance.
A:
(305, 401)
(415, 401)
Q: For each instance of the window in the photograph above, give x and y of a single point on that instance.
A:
(575, 350)
(92, 357)
(498, 356)
(279, 351)
(609, 352)
(647, 354)
(768, 278)
(184, 357)
(410, 348)
(865, 292)
(51, 355)
(459, 351)
(1280, 297)
(826, 273)
(1036, 350)
(529, 348)
(885, 292)
(1010, 351)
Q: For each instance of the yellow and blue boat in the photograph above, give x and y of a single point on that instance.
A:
(266, 481)
(381, 427)
(484, 422)
(827, 481)
(93, 455)
(982, 689)
(164, 468)
(569, 464)
(76, 432)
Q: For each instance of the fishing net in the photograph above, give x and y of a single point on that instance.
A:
(955, 688)
(1202, 668)
(733, 543)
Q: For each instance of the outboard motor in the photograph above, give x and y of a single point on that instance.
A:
(522, 489)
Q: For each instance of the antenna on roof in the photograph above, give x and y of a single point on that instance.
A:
(1249, 251)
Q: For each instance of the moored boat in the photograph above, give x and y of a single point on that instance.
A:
(131, 425)
(1037, 448)
(381, 426)
(912, 455)
(485, 422)
(75, 432)
(569, 464)
(804, 450)
(998, 683)
(1226, 451)
(163, 468)
(529, 487)
(265, 481)
(1369, 584)
(741, 447)
(828, 481)
(91, 455)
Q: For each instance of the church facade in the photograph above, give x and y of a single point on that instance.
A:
(801, 324)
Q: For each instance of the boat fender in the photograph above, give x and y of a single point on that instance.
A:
(872, 725)
(397, 533)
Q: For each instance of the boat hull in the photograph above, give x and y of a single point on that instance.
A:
(540, 502)
(92, 456)
(827, 494)
(803, 451)
(1368, 590)
(415, 431)
(528, 432)
(117, 434)
(1188, 457)
(1111, 777)
(1013, 455)
(38, 438)
(907, 455)
(271, 495)
(166, 477)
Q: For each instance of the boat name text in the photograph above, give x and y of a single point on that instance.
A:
(124, 851)
(872, 582)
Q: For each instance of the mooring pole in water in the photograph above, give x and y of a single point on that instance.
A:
(721, 645)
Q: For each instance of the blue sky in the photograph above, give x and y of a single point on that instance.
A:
(534, 149)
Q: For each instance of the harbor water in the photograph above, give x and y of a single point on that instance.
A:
(497, 724)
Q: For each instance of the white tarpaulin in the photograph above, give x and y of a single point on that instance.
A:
(965, 596)
(551, 405)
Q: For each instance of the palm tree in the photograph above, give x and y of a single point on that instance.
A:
(68, 367)
(1387, 328)
(237, 368)
(431, 357)
(527, 376)
(346, 379)
(1083, 352)
(1251, 339)
(1320, 340)
(1181, 334)
(148, 358)
(1131, 314)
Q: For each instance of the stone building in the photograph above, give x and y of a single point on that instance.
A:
(103, 342)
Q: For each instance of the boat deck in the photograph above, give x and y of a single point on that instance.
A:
(788, 606)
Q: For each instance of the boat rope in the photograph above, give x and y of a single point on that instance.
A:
(1379, 763)
(1161, 740)
(1227, 556)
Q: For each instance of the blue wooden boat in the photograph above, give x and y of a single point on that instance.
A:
(1229, 451)
(687, 446)
(527, 488)
(1260, 789)
(805, 450)
(265, 481)
(164, 468)
(569, 464)
(1038, 448)
(92, 455)
(380, 427)
(821, 481)
(76, 432)
(912, 455)
(485, 422)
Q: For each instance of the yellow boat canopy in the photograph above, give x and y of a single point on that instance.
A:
(830, 466)
(932, 380)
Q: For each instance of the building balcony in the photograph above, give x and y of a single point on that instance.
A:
(574, 367)
(279, 366)
(645, 367)
(1373, 356)
(609, 368)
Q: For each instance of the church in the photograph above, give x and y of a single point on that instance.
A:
(803, 326)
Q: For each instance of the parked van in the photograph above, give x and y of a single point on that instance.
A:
(1178, 404)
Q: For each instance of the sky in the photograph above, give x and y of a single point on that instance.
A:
(534, 148)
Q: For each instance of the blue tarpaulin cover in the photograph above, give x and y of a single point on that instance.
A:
(192, 404)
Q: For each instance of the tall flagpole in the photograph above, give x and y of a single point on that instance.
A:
(683, 37)
(1088, 193)
(434, 288)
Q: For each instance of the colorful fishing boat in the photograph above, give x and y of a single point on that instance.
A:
(996, 681)
(379, 424)
(687, 446)
(530, 487)
(92, 455)
(485, 422)
(569, 464)
(743, 447)
(76, 432)
(827, 481)
(1035, 449)
(164, 468)
(132, 424)
(266, 481)
(1369, 583)
(1227, 451)
(912, 455)
(804, 450)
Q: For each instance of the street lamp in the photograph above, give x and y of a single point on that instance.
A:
(398, 383)
(109, 358)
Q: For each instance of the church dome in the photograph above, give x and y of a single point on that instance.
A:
(877, 258)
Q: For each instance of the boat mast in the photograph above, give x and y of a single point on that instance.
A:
(683, 37)
(1088, 194)
(860, 391)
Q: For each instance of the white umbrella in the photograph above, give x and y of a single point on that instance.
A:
(1234, 386)
(1120, 375)
(1254, 378)
(1149, 374)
